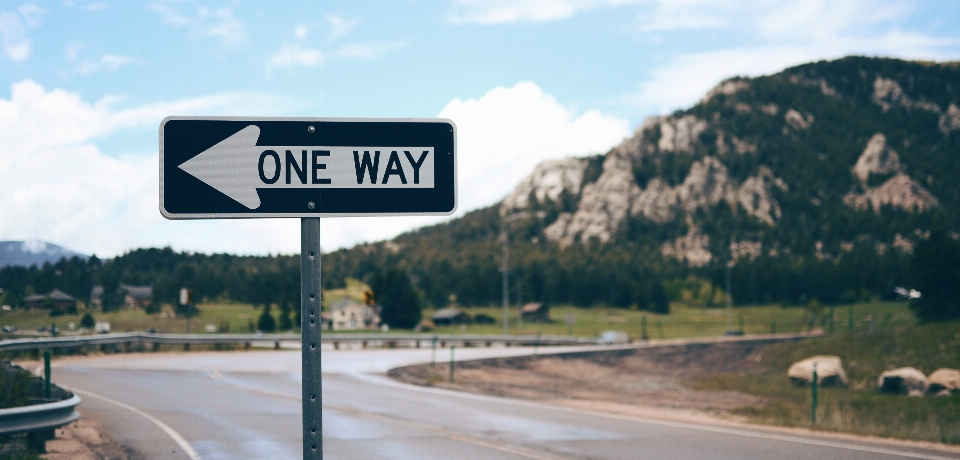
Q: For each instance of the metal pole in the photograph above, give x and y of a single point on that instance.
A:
(813, 397)
(506, 270)
(46, 374)
(310, 336)
(452, 347)
(729, 303)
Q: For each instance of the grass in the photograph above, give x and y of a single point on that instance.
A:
(683, 321)
(858, 408)
(690, 321)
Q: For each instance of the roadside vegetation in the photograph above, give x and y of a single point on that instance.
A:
(858, 408)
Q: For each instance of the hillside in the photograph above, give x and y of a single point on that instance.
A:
(35, 252)
(814, 182)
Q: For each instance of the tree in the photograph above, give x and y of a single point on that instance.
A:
(935, 272)
(285, 323)
(87, 321)
(401, 303)
(266, 323)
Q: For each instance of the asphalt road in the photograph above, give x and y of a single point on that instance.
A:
(240, 405)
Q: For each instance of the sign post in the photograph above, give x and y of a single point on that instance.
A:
(308, 168)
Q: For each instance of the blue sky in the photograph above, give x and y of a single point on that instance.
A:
(84, 85)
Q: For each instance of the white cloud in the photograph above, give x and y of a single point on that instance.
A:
(371, 50)
(503, 135)
(58, 186)
(513, 11)
(13, 31)
(301, 32)
(338, 26)
(205, 22)
(295, 56)
(786, 34)
(292, 56)
(96, 6)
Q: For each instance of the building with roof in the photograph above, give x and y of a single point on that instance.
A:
(133, 296)
(450, 316)
(536, 312)
(348, 315)
(59, 301)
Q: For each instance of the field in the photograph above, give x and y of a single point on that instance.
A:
(858, 408)
(683, 321)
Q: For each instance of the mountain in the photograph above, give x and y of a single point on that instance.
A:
(33, 252)
(815, 182)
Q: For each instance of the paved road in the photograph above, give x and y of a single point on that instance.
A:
(235, 405)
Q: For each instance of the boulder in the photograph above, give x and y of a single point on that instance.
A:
(905, 380)
(944, 381)
(829, 371)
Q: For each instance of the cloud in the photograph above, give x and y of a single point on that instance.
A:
(513, 11)
(338, 26)
(96, 6)
(106, 63)
(301, 32)
(505, 133)
(58, 186)
(291, 56)
(205, 22)
(784, 34)
(13, 31)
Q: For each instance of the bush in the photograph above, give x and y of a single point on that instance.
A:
(87, 321)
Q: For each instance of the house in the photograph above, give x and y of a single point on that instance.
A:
(136, 296)
(60, 300)
(537, 312)
(347, 315)
(96, 297)
(133, 296)
(449, 316)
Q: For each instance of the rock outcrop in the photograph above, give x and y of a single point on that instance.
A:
(877, 158)
(547, 182)
(905, 380)
(944, 382)
(829, 371)
(899, 191)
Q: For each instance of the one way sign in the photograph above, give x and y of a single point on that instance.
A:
(306, 167)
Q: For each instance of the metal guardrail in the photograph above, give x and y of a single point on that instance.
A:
(335, 338)
(39, 417)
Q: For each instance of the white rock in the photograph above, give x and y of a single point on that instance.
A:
(547, 181)
(950, 120)
(944, 380)
(679, 134)
(829, 371)
(899, 191)
(905, 380)
(796, 120)
(877, 158)
(690, 248)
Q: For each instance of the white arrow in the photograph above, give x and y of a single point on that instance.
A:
(237, 167)
(224, 167)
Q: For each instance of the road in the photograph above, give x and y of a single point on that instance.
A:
(233, 405)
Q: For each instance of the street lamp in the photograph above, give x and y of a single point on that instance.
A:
(504, 221)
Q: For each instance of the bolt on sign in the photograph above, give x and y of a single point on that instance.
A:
(306, 167)
(231, 167)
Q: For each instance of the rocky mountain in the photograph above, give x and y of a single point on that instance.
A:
(33, 252)
(815, 182)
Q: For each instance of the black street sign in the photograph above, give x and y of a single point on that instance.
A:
(232, 167)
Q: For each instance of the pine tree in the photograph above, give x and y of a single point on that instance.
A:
(266, 323)
(285, 323)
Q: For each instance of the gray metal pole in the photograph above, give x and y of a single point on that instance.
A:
(506, 271)
(310, 327)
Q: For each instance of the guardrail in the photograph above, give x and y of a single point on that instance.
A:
(38, 417)
(415, 340)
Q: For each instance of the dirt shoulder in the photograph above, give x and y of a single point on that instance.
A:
(85, 439)
(651, 378)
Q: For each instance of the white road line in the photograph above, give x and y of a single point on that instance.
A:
(383, 380)
(163, 426)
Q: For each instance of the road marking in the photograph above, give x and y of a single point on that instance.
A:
(215, 375)
(384, 380)
(184, 445)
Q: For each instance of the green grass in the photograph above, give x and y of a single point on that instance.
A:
(858, 408)
(687, 321)
(683, 321)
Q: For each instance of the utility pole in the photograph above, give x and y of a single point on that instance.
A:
(505, 267)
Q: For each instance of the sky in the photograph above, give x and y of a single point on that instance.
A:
(84, 86)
